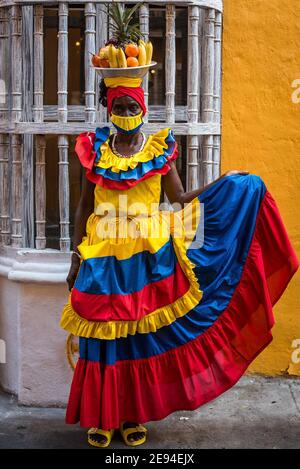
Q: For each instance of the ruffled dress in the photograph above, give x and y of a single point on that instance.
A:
(170, 307)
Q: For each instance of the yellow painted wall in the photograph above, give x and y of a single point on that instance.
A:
(261, 133)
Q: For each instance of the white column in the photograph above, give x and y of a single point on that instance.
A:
(64, 192)
(144, 27)
(208, 93)
(193, 97)
(63, 144)
(217, 94)
(90, 46)
(4, 138)
(4, 68)
(38, 63)
(40, 192)
(16, 114)
(40, 140)
(4, 190)
(62, 78)
(101, 38)
(170, 63)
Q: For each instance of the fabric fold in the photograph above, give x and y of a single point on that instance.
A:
(201, 355)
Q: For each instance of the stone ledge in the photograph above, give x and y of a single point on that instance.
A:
(34, 265)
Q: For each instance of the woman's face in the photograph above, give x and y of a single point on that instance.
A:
(125, 107)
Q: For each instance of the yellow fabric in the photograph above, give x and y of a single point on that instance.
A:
(154, 147)
(101, 242)
(143, 196)
(131, 82)
(127, 122)
(110, 330)
(137, 207)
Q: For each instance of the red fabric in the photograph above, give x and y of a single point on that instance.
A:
(126, 184)
(121, 307)
(197, 372)
(86, 154)
(136, 93)
(84, 149)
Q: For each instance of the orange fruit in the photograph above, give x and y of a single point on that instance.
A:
(96, 60)
(132, 50)
(132, 62)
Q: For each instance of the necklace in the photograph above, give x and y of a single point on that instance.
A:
(127, 156)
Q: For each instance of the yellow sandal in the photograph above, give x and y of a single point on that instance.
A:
(107, 433)
(128, 431)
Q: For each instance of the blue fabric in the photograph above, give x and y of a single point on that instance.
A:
(230, 208)
(141, 169)
(107, 275)
(101, 135)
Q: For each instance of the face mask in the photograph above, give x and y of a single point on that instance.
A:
(127, 125)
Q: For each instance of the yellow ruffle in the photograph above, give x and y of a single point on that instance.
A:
(164, 316)
(155, 146)
(76, 325)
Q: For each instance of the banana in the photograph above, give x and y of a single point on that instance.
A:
(122, 59)
(142, 42)
(142, 54)
(112, 56)
(149, 52)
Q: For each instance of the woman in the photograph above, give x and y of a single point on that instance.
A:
(165, 323)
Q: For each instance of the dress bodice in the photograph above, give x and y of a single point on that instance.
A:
(126, 188)
(142, 198)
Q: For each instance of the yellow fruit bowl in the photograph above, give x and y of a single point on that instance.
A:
(131, 72)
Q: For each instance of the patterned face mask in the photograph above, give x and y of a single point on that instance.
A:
(128, 124)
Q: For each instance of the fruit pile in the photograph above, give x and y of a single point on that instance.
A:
(130, 55)
(126, 48)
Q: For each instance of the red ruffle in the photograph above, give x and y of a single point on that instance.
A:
(84, 149)
(195, 373)
(124, 307)
(86, 154)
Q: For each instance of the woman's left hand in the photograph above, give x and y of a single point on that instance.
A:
(234, 171)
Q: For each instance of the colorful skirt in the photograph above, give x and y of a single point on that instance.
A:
(243, 264)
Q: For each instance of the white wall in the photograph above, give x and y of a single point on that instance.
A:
(32, 294)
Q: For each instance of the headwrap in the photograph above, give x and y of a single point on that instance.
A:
(136, 93)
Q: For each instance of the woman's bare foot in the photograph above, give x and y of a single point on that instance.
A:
(136, 435)
(95, 435)
(98, 438)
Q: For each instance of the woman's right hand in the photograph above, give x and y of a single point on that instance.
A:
(73, 273)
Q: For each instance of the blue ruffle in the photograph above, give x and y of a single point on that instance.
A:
(141, 169)
(101, 135)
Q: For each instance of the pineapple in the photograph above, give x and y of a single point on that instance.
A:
(122, 31)
(126, 47)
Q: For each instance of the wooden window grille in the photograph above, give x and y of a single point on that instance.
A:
(38, 125)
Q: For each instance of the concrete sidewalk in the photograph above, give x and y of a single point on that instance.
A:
(256, 413)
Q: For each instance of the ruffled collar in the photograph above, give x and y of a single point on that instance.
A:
(110, 171)
(106, 159)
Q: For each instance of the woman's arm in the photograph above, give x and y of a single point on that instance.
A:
(84, 208)
(173, 187)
